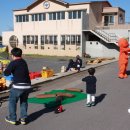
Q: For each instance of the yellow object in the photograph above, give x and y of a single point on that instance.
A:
(4, 61)
(47, 73)
(2, 83)
(3, 49)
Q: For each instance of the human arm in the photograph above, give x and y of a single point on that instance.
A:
(8, 71)
(84, 79)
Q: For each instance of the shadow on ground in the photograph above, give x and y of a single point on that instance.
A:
(100, 98)
(128, 72)
(32, 117)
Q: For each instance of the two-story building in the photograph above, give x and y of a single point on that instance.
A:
(49, 27)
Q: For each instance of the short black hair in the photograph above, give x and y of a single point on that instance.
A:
(17, 52)
(91, 71)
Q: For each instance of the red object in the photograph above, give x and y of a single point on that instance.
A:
(60, 108)
(123, 57)
(34, 75)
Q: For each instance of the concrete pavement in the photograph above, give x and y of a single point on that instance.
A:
(110, 113)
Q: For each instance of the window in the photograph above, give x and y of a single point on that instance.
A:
(50, 39)
(62, 15)
(30, 39)
(35, 17)
(79, 14)
(67, 39)
(42, 40)
(57, 15)
(120, 18)
(62, 39)
(24, 40)
(50, 16)
(70, 15)
(108, 19)
(74, 14)
(78, 40)
(55, 40)
(46, 39)
(54, 16)
(111, 20)
(36, 40)
(38, 17)
(73, 39)
(13, 41)
(22, 18)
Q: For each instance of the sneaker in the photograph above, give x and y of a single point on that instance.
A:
(23, 121)
(10, 121)
(93, 103)
(88, 105)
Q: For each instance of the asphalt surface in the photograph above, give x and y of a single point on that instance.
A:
(110, 112)
(36, 64)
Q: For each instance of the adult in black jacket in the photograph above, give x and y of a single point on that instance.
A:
(71, 65)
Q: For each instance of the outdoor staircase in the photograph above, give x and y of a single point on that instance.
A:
(107, 37)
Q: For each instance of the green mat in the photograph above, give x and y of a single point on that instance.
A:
(51, 102)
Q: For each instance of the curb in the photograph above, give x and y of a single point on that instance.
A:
(38, 81)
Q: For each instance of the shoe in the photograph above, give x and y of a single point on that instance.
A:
(23, 121)
(10, 121)
(93, 103)
(88, 105)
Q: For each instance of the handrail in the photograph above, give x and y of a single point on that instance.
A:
(110, 37)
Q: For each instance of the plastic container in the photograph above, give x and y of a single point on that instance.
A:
(47, 73)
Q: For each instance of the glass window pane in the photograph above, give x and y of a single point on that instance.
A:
(79, 14)
(74, 14)
(54, 16)
(62, 15)
(58, 15)
(50, 16)
(62, 39)
(73, 39)
(55, 40)
(46, 39)
(67, 39)
(70, 14)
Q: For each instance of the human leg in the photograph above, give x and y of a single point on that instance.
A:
(93, 99)
(88, 102)
(23, 106)
(13, 99)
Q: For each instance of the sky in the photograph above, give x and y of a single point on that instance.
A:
(7, 7)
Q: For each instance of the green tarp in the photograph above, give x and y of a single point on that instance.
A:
(51, 102)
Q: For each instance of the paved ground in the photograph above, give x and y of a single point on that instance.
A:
(36, 64)
(110, 113)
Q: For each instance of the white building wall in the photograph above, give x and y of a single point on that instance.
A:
(96, 49)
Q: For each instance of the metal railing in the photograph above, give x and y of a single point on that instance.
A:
(109, 37)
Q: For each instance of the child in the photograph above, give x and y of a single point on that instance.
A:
(20, 87)
(90, 87)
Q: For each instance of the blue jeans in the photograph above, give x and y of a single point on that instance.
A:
(15, 95)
